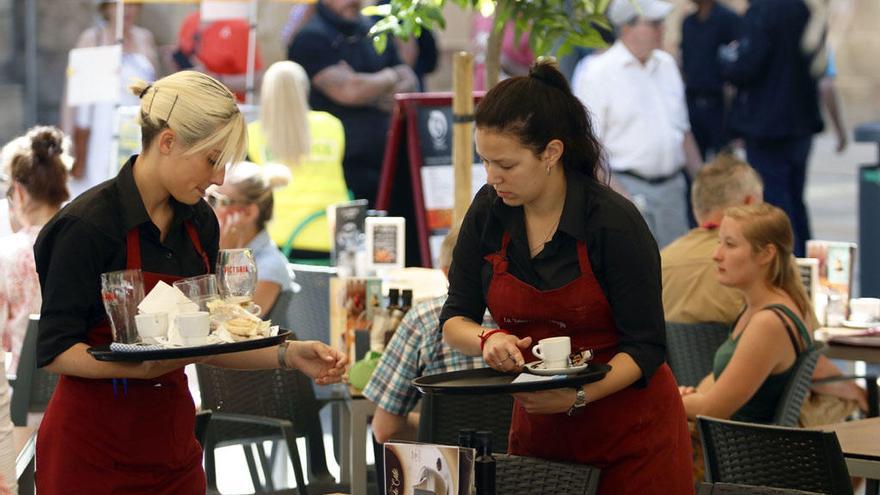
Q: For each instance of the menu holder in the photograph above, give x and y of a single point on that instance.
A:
(490, 381)
(104, 353)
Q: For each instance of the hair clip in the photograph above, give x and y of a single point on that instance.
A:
(168, 118)
(145, 90)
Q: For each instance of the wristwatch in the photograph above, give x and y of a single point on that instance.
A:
(580, 401)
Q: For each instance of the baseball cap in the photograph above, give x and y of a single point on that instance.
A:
(622, 11)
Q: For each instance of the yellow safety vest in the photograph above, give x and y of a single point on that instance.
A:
(317, 182)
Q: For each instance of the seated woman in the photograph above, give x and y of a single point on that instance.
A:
(244, 206)
(311, 144)
(36, 165)
(752, 367)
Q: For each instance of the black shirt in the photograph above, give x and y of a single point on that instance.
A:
(87, 238)
(328, 39)
(623, 256)
(700, 40)
(777, 96)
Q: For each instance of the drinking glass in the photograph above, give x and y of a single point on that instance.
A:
(200, 289)
(237, 275)
(121, 292)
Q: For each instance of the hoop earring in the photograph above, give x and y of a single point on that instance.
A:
(548, 169)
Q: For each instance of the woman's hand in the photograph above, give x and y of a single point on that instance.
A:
(233, 228)
(317, 360)
(554, 401)
(502, 351)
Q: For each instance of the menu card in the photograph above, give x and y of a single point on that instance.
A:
(428, 469)
(836, 261)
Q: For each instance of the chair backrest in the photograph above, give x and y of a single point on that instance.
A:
(516, 474)
(280, 394)
(444, 415)
(789, 409)
(690, 349)
(773, 456)
(736, 489)
(33, 386)
(280, 313)
(309, 309)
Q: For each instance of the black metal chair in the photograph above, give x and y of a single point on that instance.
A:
(250, 407)
(789, 409)
(309, 307)
(773, 456)
(33, 387)
(735, 489)
(444, 415)
(280, 313)
(516, 474)
(690, 349)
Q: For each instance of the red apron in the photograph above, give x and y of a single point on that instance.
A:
(122, 436)
(637, 437)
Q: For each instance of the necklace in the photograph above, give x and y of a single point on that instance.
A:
(537, 249)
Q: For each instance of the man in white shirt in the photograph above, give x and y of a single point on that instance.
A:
(635, 96)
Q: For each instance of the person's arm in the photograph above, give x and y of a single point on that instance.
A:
(693, 160)
(828, 93)
(387, 426)
(265, 295)
(763, 347)
(345, 86)
(75, 361)
(316, 359)
(745, 60)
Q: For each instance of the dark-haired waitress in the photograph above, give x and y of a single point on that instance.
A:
(552, 251)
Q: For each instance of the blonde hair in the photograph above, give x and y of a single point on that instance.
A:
(763, 225)
(284, 111)
(198, 108)
(254, 183)
(725, 182)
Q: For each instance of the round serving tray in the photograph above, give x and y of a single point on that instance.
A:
(103, 353)
(490, 381)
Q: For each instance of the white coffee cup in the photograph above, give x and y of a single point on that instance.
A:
(194, 327)
(553, 351)
(151, 325)
(864, 309)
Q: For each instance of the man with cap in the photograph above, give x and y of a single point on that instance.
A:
(635, 96)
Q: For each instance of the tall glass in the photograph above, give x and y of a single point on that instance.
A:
(200, 289)
(237, 275)
(121, 292)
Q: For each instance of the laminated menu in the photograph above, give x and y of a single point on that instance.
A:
(427, 469)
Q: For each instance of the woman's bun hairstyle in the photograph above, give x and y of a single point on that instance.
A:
(39, 162)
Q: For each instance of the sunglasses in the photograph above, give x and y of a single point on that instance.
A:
(216, 199)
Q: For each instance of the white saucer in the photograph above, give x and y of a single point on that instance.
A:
(537, 368)
(860, 324)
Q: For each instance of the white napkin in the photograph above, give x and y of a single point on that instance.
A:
(165, 299)
(528, 377)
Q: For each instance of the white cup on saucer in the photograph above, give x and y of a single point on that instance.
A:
(553, 351)
(151, 325)
(194, 327)
(864, 309)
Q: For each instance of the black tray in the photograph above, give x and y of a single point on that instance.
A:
(490, 381)
(103, 353)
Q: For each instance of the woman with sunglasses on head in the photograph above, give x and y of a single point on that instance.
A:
(35, 166)
(552, 251)
(96, 437)
(244, 205)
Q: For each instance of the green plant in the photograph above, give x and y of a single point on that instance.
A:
(555, 26)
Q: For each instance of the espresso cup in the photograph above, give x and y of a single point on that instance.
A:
(194, 327)
(553, 351)
(151, 325)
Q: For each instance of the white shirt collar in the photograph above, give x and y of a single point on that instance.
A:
(622, 56)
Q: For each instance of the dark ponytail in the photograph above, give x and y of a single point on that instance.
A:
(38, 164)
(538, 108)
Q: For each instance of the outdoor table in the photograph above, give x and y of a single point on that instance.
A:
(858, 441)
(847, 352)
(355, 414)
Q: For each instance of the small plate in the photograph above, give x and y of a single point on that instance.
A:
(537, 368)
(860, 324)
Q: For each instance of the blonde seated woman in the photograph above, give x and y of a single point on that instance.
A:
(311, 144)
(244, 206)
(751, 368)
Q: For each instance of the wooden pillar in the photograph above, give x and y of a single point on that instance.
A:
(462, 132)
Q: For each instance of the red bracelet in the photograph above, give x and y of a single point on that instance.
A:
(486, 334)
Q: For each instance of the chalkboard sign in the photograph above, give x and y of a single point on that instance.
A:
(417, 176)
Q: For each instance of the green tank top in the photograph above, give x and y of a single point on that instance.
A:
(762, 406)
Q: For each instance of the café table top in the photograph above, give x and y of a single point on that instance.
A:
(857, 438)
(847, 352)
